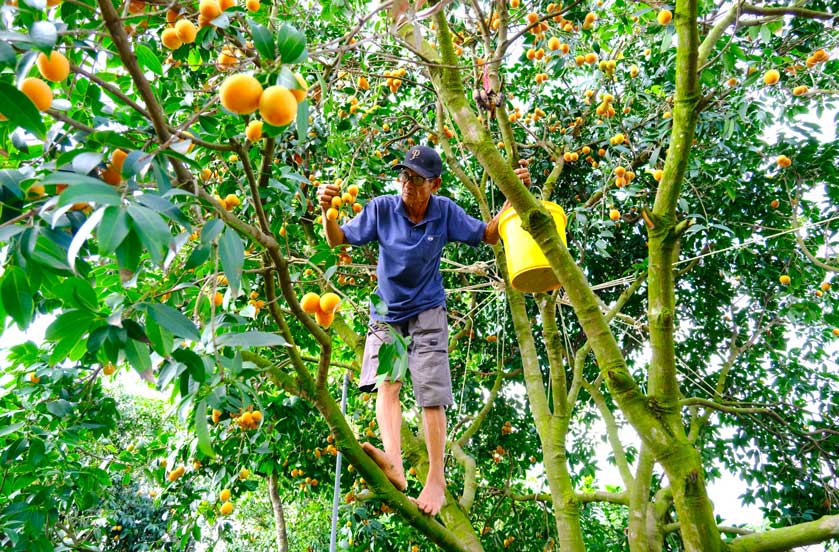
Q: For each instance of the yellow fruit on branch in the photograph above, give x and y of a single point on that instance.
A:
(226, 4)
(224, 495)
(54, 67)
(658, 174)
(329, 302)
(771, 77)
(300, 93)
(614, 214)
(310, 303)
(664, 17)
(244, 474)
(38, 92)
(783, 161)
(332, 213)
(226, 59)
(240, 94)
(254, 130)
(362, 83)
(785, 280)
(169, 38)
(209, 9)
(109, 369)
(218, 299)
(216, 416)
(800, 90)
(278, 106)
(325, 319)
(226, 508)
(252, 5)
(186, 31)
(231, 201)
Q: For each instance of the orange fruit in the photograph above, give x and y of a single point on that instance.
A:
(225, 4)
(664, 17)
(206, 174)
(785, 280)
(658, 174)
(337, 201)
(774, 203)
(54, 67)
(136, 7)
(240, 94)
(169, 38)
(252, 5)
(226, 59)
(38, 91)
(825, 286)
(254, 130)
(224, 495)
(111, 176)
(771, 77)
(278, 106)
(257, 416)
(109, 369)
(231, 201)
(352, 189)
(325, 319)
(244, 473)
(310, 303)
(329, 302)
(300, 93)
(218, 299)
(836, 332)
(614, 214)
(226, 508)
(532, 18)
(356, 207)
(332, 213)
(800, 90)
(591, 57)
(186, 31)
(347, 197)
(33, 378)
(783, 161)
(172, 15)
(362, 83)
(209, 9)
(553, 43)
(118, 159)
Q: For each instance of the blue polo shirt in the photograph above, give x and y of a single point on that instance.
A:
(409, 254)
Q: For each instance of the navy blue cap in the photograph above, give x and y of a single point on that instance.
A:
(422, 160)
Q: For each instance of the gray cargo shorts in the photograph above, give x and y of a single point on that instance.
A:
(428, 356)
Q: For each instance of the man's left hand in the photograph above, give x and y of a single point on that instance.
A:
(524, 175)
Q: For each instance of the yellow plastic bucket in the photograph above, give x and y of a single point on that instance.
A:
(529, 269)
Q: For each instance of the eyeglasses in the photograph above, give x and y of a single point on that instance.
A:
(415, 179)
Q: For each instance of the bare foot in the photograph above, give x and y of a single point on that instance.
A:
(393, 470)
(432, 497)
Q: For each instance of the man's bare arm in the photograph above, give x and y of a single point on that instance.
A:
(491, 235)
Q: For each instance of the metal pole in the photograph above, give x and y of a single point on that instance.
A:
(336, 494)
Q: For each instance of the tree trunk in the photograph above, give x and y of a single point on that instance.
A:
(279, 517)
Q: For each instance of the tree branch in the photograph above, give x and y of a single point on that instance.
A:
(785, 538)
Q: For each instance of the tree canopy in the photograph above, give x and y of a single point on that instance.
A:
(159, 216)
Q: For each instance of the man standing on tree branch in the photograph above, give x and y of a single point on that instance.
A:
(411, 229)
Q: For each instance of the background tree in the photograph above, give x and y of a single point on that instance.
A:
(158, 210)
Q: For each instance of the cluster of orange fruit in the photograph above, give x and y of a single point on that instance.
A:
(508, 541)
(608, 66)
(243, 94)
(347, 199)
(498, 454)
(507, 428)
(540, 78)
(249, 420)
(176, 474)
(330, 449)
(229, 202)
(783, 161)
(54, 68)
(394, 79)
(617, 139)
(623, 176)
(605, 108)
(323, 308)
(818, 56)
(532, 53)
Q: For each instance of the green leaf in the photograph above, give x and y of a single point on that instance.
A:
(60, 408)
(263, 40)
(67, 331)
(202, 431)
(152, 230)
(7, 55)
(198, 256)
(211, 229)
(17, 297)
(20, 110)
(251, 339)
(113, 229)
(162, 340)
(82, 234)
(86, 161)
(302, 120)
(138, 356)
(128, 255)
(291, 44)
(95, 191)
(43, 35)
(174, 321)
(148, 59)
(135, 162)
(232, 253)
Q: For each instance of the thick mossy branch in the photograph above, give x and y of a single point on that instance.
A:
(787, 538)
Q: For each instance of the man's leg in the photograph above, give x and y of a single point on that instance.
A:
(433, 494)
(389, 418)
